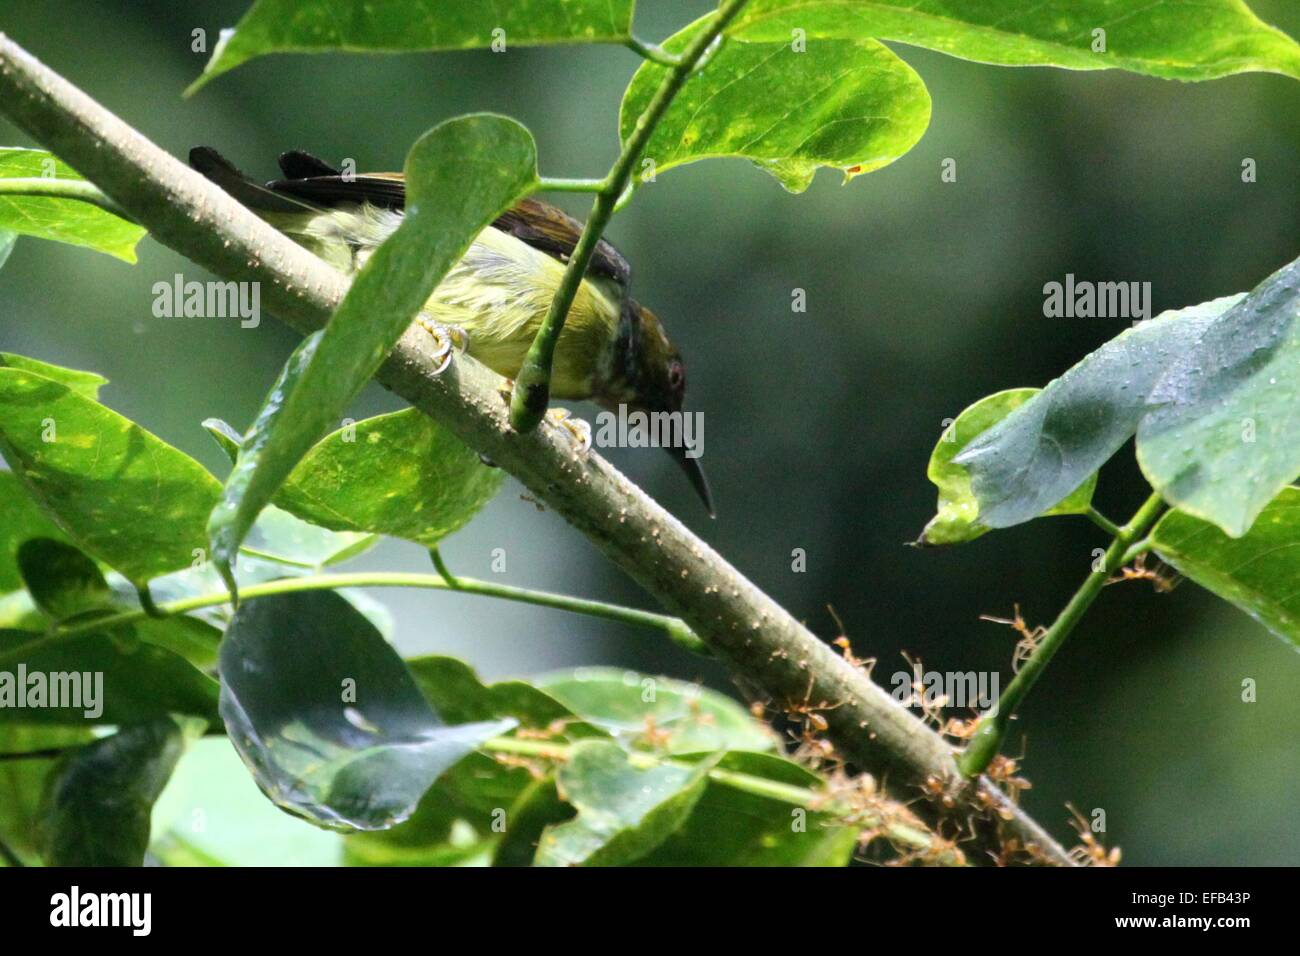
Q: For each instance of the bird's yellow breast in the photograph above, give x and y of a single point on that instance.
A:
(498, 293)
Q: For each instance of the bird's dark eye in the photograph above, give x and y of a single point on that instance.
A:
(676, 375)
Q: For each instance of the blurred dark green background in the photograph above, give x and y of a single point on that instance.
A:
(922, 297)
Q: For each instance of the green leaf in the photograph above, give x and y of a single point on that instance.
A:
(461, 818)
(453, 689)
(848, 104)
(1258, 572)
(86, 384)
(459, 176)
(400, 474)
(957, 514)
(124, 496)
(22, 782)
(73, 221)
(627, 705)
(361, 26)
(100, 678)
(1223, 434)
(7, 242)
(1179, 39)
(100, 797)
(62, 581)
(1050, 445)
(732, 827)
(21, 519)
(624, 811)
(326, 716)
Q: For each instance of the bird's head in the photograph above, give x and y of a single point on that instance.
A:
(649, 375)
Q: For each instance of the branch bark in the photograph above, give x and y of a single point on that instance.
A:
(746, 627)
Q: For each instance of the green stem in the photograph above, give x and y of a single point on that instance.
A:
(441, 566)
(673, 627)
(652, 52)
(992, 728)
(915, 837)
(1136, 551)
(51, 188)
(1102, 522)
(559, 185)
(532, 388)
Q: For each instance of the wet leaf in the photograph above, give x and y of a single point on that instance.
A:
(99, 800)
(1179, 39)
(459, 176)
(73, 221)
(624, 811)
(1258, 572)
(326, 716)
(1222, 438)
(385, 26)
(848, 104)
(1046, 448)
(958, 515)
(464, 815)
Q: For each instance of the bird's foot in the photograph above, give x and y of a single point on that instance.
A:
(578, 430)
(446, 338)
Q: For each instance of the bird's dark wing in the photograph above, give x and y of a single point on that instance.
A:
(313, 182)
(386, 190)
(556, 233)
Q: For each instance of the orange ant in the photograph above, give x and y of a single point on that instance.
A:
(846, 649)
(1002, 771)
(1090, 852)
(810, 713)
(1029, 639)
(936, 789)
(1139, 571)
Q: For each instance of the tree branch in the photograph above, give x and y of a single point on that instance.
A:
(741, 623)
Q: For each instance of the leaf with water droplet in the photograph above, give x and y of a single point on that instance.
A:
(1047, 447)
(1223, 434)
(326, 716)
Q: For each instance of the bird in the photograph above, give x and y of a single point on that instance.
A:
(613, 351)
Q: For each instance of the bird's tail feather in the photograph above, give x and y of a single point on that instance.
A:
(260, 199)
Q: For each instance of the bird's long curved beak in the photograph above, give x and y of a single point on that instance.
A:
(695, 472)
